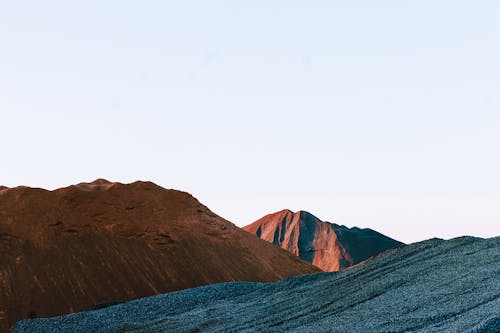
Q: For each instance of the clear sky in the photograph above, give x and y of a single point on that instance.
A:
(380, 114)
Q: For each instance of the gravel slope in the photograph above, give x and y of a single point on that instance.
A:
(432, 286)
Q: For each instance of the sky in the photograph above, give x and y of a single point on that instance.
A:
(379, 114)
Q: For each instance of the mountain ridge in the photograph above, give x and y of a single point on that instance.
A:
(327, 245)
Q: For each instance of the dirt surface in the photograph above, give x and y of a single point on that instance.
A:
(328, 246)
(90, 244)
(432, 286)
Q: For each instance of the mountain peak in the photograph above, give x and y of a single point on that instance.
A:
(286, 211)
(326, 245)
(306, 214)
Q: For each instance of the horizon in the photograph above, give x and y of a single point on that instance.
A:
(382, 116)
(241, 225)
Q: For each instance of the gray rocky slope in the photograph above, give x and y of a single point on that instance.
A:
(431, 286)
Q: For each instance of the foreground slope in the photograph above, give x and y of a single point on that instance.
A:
(328, 246)
(75, 248)
(432, 286)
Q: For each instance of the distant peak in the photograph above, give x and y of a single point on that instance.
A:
(303, 214)
(3, 187)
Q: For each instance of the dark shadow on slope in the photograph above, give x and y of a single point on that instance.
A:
(489, 325)
(306, 236)
(283, 230)
(362, 244)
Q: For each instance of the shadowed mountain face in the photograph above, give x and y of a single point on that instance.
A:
(328, 246)
(75, 248)
(432, 286)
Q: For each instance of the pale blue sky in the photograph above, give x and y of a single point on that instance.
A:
(380, 114)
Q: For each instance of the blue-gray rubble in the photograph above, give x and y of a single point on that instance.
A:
(431, 286)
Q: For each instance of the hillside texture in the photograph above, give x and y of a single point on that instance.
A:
(83, 246)
(329, 246)
(432, 286)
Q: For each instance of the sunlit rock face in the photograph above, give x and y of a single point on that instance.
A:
(432, 286)
(328, 246)
(90, 244)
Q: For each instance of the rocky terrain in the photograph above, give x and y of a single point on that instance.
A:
(91, 244)
(328, 246)
(431, 286)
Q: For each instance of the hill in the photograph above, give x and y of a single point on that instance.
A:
(432, 286)
(328, 246)
(86, 245)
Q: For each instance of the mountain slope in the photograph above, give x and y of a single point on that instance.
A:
(326, 245)
(75, 248)
(432, 286)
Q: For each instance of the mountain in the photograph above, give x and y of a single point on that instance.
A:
(86, 245)
(432, 286)
(328, 246)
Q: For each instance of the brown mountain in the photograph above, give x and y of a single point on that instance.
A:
(328, 246)
(79, 247)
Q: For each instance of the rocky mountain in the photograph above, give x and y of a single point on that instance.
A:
(431, 286)
(328, 246)
(96, 243)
